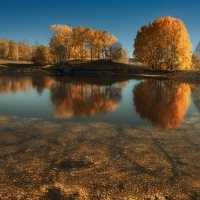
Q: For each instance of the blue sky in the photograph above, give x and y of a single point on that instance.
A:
(30, 19)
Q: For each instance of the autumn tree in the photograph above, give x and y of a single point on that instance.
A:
(124, 58)
(196, 56)
(114, 51)
(61, 41)
(4, 48)
(195, 62)
(13, 52)
(42, 55)
(90, 38)
(24, 50)
(163, 44)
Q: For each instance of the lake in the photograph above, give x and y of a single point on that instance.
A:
(98, 138)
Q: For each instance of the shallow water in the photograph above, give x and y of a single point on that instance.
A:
(78, 138)
(112, 100)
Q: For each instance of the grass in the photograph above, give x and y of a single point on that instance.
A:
(15, 64)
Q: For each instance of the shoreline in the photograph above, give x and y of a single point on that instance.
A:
(100, 68)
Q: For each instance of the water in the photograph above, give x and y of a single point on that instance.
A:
(98, 138)
(126, 102)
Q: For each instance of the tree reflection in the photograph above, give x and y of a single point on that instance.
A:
(163, 103)
(196, 97)
(14, 84)
(42, 82)
(84, 99)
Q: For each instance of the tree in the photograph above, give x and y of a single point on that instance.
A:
(24, 50)
(163, 44)
(61, 41)
(90, 40)
(124, 58)
(13, 53)
(3, 49)
(43, 55)
(107, 40)
(114, 51)
(196, 56)
(195, 62)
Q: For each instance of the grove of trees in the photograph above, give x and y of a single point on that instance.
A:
(164, 44)
(84, 43)
(66, 44)
(16, 51)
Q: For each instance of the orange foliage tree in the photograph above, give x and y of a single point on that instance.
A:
(163, 103)
(4, 48)
(163, 44)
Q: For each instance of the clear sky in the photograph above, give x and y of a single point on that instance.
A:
(30, 19)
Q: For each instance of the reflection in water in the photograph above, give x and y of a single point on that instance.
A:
(16, 84)
(196, 97)
(163, 103)
(84, 99)
(42, 82)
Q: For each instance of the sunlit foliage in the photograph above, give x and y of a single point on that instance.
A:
(13, 52)
(42, 55)
(4, 48)
(124, 58)
(196, 56)
(16, 51)
(162, 103)
(164, 44)
(83, 43)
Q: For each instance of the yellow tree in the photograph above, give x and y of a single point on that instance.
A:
(98, 43)
(4, 49)
(42, 55)
(23, 49)
(164, 44)
(124, 58)
(13, 50)
(78, 41)
(61, 41)
(196, 56)
(114, 51)
(107, 40)
(90, 41)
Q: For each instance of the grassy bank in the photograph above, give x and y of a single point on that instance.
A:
(98, 68)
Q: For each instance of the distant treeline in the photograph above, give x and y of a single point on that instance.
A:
(66, 44)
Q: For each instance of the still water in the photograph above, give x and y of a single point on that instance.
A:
(98, 138)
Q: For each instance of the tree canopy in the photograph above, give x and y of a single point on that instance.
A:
(83, 43)
(163, 44)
